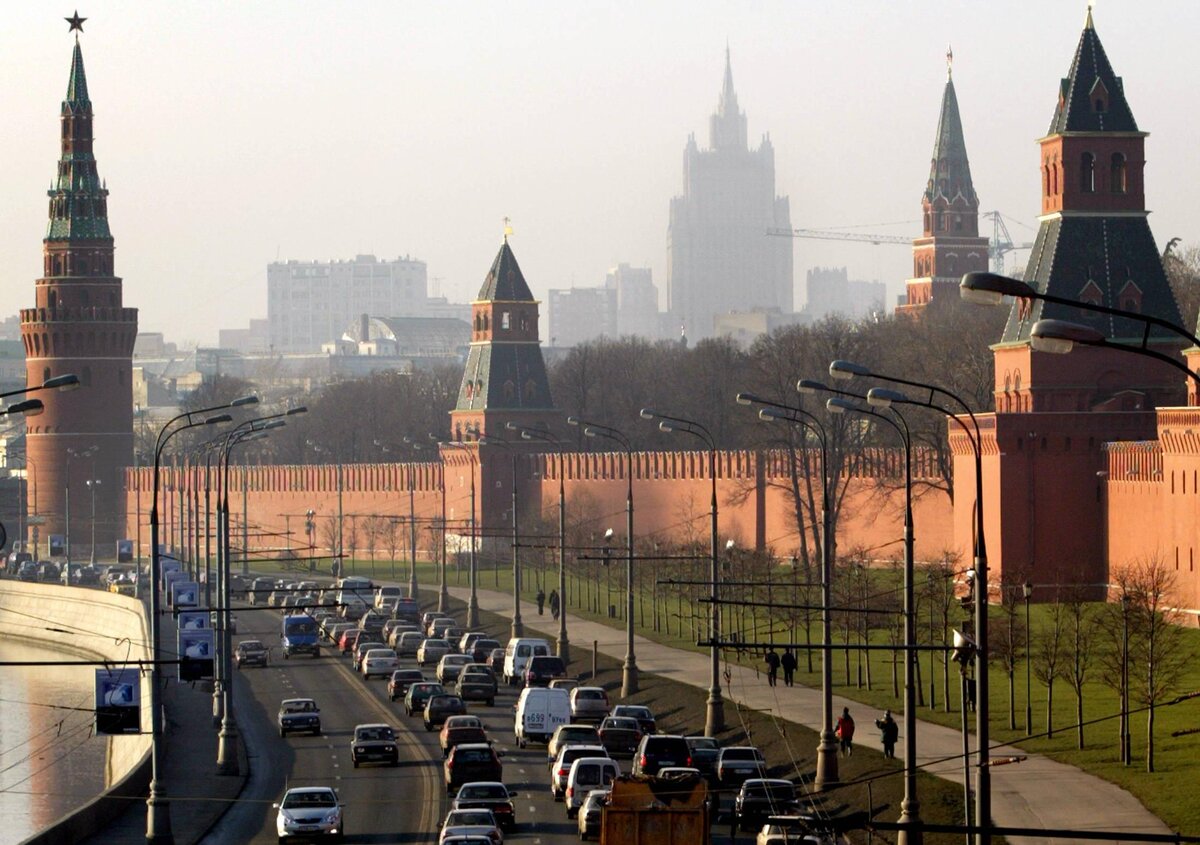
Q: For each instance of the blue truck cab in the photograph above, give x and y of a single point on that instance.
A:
(299, 635)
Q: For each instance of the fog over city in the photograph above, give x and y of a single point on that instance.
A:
(232, 135)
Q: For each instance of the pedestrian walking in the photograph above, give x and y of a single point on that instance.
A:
(889, 732)
(788, 662)
(845, 732)
(772, 665)
(541, 600)
(554, 604)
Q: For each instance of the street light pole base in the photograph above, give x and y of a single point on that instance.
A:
(412, 586)
(443, 600)
(473, 611)
(158, 818)
(563, 648)
(629, 677)
(518, 627)
(714, 716)
(910, 814)
(227, 750)
(827, 762)
(218, 706)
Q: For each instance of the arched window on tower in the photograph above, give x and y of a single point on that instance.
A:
(52, 300)
(1116, 180)
(1087, 173)
(1046, 179)
(1054, 178)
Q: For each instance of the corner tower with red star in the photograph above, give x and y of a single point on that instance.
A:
(79, 325)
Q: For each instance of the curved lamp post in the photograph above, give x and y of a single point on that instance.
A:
(714, 721)
(983, 793)
(473, 572)
(72, 453)
(518, 627)
(827, 748)
(629, 669)
(910, 806)
(1060, 337)
(158, 807)
(563, 644)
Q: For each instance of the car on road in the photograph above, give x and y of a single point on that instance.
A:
(124, 586)
(543, 669)
(739, 763)
(409, 643)
(451, 736)
(251, 653)
(471, 761)
(309, 811)
(379, 661)
(566, 735)
(560, 769)
(299, 715)
(438, 627)
(539, 713)
(589, 704)
(361, 648)
(399, 681)
(27, 571)
(477, 683)
(471, 823)
(590, 812)
(374, 743)
(47, 572)
(431, 651)
(659, 750)
(481, 648)
(450, 666)
(441, 707)
(761, 798)
(260, 588)
(588, 773)
(620, 735)
(419, 694)
(645, 718)
(348, 640)
(488, 795)
(704, 750)
(495, 659)
(466, 643)
(795, 830)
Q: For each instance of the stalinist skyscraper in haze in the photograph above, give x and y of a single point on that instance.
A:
(719, 256)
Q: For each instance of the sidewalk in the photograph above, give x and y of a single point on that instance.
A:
(1035, 793)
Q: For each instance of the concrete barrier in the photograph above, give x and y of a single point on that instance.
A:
(90, 624)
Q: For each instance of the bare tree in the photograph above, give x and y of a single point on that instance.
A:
(1082, 620)
(371, 528)
(1049, 655)
(1156, 645)
(1009, 642)
(390, 534)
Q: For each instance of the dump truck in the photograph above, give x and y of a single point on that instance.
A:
(656, 811)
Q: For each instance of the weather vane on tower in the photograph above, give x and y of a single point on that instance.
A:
(949, 60)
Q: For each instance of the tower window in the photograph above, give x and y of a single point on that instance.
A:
(505, 320)
(1087, 173)
(1100, 106)
(1116, 182)
(510, 391)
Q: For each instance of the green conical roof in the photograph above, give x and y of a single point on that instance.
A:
(77, 93)
(504, 281)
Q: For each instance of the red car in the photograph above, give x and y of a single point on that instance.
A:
(349, 640)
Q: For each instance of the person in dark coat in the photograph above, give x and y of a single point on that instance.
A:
(772, 666)
(788, 662)
(554, 608)
(889, 732)
(541, 601)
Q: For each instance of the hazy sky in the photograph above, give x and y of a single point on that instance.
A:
(235, 133)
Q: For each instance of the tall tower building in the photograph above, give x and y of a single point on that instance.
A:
(949, 245)
(79, 325)
(1094, 245)
(719, 258)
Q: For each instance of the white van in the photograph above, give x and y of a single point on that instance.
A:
(539, 713)
(354, 596)
(588, 773)
(517, 654)
(386, 594)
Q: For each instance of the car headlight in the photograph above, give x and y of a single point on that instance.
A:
(333, 817)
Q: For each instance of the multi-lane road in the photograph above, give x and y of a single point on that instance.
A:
(402, 804)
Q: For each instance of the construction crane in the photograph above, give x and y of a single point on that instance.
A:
(1000, 244)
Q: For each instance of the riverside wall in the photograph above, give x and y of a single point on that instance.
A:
(95, 625)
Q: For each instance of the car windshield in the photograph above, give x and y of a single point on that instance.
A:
(741, 754)
(472, 755)
(621, 724)
(299, 706)
(572, 732)
(301, 626)
(373, 733)
(775, 792)
(702, 742)
(250, 645)
(296, 800)
(485, 790)
(465, 817)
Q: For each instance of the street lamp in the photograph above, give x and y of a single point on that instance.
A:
(92, 484)
(910, 805)
(714, 721)
(983, 794)
(72, 453)
(158, 808)
(1027, 590)
(473, 574)
(412, 522)
(1126, 756)
(563, 644)
(1060, 337)
(827, 747)
(518, 627)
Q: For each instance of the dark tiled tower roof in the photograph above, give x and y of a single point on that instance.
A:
(78, 199)
(504, 281)
(949, 170)
(1091, 76)
(505, 377)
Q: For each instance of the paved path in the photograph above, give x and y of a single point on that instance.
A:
(1035, 793)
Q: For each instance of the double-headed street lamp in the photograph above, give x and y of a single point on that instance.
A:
(714, 721)
(827, 747)
(563, 644)
(92, 484)
(158, 808)
(518, 627)
(473, 573)
(72, 453)
(412, 519)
